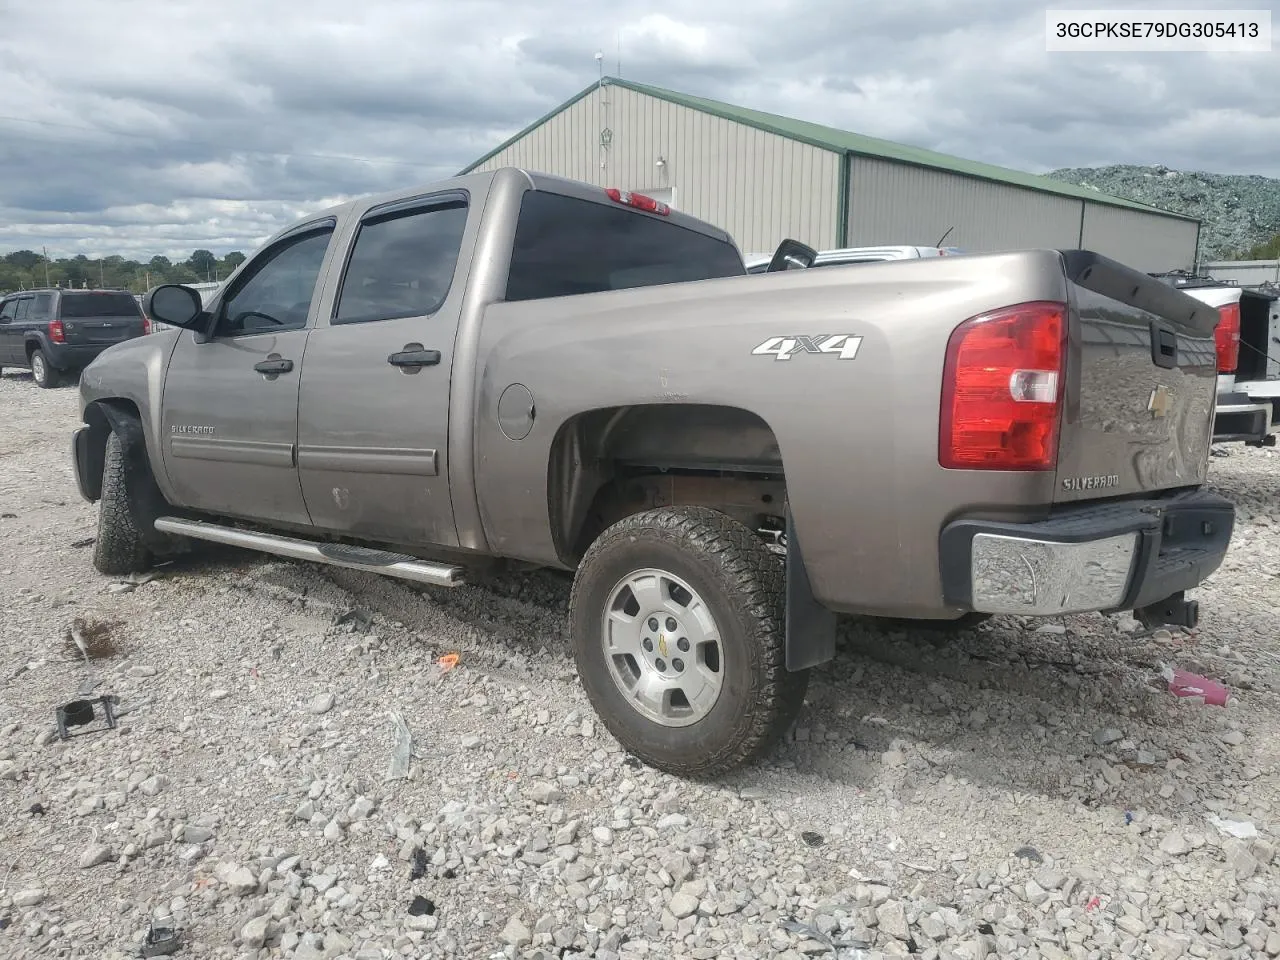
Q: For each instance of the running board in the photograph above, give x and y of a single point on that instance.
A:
(335, 554)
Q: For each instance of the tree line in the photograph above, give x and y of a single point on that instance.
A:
(27, 270)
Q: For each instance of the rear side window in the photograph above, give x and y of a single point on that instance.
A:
(402, 264)
(42, 306)
(99, 305)
(564, 245)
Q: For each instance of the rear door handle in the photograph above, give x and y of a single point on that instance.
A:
(274, 365)
(413, 355)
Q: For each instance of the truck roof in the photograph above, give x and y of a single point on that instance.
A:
(481, 181)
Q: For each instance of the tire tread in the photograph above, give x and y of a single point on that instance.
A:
(118, 549)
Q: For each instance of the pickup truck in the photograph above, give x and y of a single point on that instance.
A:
(1248, 348)
(512, 368)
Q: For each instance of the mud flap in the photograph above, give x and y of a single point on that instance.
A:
(811, 627)
(146, 502)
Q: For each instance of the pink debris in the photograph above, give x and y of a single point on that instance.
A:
(1183, 684)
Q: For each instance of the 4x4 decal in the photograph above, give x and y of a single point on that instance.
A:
(842, 345)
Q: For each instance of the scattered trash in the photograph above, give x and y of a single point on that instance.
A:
(1094, 903)
(92, 639)
(811, 932)
(1028, 853)
(1183, 684)
(418, 866)
(86, 542)
(401, 746)
(421, 907)
(81, 713)
(449, 873)
(448, 662)
(161, 940)
(812, 839)
(36, 810)
(986, 929)
(1128, 817)
(1240, 829)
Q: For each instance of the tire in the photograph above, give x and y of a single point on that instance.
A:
(42, 372)
(679, 556)
(118, 549)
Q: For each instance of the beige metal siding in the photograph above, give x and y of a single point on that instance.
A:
(1244, 272)
(896, 203)
(760, 187)
(1144, 241)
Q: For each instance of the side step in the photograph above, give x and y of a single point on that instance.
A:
(334, 554)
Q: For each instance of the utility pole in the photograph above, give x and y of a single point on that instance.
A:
(45, 251)
(102, 274)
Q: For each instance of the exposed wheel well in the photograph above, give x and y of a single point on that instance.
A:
(611, 463)
(98, 417)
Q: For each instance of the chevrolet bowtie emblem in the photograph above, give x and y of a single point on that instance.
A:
(1158, 404)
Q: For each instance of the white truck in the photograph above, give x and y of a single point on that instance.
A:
(1247, 340)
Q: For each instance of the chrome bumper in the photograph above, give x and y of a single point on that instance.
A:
(1108, 557)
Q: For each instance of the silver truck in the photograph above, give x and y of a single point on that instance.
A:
(509, 367)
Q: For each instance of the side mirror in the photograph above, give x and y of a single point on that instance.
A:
(173, 304)
(792, 255)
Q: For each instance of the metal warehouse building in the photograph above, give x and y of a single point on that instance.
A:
(764, 178)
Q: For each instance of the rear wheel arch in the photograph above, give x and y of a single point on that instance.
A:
(606, 463)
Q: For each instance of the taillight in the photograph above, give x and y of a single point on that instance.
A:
(638, 200)
(146, 324)
(1002, 389)
(57, 333)
(1226, 337)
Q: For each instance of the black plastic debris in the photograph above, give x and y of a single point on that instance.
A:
(812, 839)
(1028, 853)
(36, 810)
(418, 864)
(162, 940)
(986, 929)
(421, 907)
(449, 873)
(83, 713)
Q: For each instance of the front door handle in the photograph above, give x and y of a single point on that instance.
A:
(413, 355)
(273, 365)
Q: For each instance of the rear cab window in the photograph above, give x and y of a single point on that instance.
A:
(566, 245)
(96, 304)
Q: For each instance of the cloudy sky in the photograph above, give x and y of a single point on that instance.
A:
(142, 127)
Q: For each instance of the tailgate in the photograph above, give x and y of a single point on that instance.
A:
(1141, 384)
(99, 317)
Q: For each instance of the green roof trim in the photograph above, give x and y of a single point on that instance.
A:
(844, 142)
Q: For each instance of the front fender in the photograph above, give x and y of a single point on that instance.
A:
(132, 372)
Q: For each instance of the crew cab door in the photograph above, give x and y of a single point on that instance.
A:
(374, 404)
(230, 409)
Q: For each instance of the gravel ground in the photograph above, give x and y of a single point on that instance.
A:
(1023, 789)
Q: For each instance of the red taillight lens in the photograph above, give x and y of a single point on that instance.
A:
(146, 325)
(57, 333)
(1002, 389)
(1226, 336)
(638, 200)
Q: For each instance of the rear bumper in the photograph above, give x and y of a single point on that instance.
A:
(73, 357)
(1097, 557)
(1239, 417)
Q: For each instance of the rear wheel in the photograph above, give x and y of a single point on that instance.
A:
(677, 626)
(118, 549)
(42, 372)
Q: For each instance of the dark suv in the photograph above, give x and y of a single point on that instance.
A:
(54, 332)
